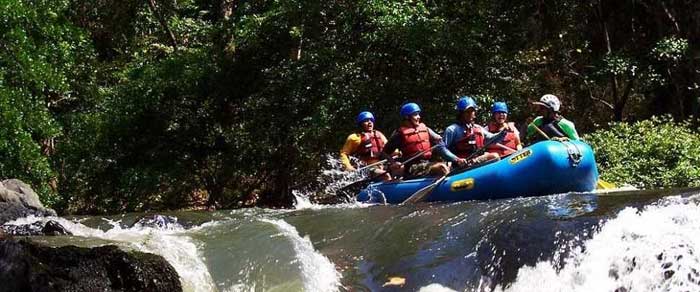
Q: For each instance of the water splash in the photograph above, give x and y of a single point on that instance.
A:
(171, 242)
(435, 288)
(317, 271)
(333, 177)
(653, 249)
(331, 182)
(304, 203)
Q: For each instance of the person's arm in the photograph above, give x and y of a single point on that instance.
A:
(385, 141)
(349, 148)
(569, 129)
(390, 147)
(441, 149)
(449, 136)
(487, 135)
(516, 133)
(382, 137)
(533, 135)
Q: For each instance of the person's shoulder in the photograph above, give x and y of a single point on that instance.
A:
(395, 134)
(566, 122)
(354, 136)
(452, 127)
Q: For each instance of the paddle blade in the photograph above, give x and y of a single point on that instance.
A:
(421, 194)
(603, 185)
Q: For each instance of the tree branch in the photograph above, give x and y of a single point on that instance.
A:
(671, 17)
(604, 102)
(163, 23)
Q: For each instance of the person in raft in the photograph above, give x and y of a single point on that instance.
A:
(366, 145)
(550, 124)
(465, 137)
(415, 139)
(499, 122)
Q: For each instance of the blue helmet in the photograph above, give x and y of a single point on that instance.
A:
(499, 107)
(466, 102)
(364, 116)
(409, 109)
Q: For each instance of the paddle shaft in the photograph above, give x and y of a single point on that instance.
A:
(540, 131)
(425, 191)
(372, 177)
(370, 165)
(505, 147)
(414, 157)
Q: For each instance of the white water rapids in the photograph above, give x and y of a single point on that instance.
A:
(654, 249)
(650, 247)
(176, 245)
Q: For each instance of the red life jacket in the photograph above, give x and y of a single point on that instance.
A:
(473, 139)
(509, 140)
(371, 143)
(415, 140)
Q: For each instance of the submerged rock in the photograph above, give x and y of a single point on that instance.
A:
(27, 266)
(37, 228)
(158, 222)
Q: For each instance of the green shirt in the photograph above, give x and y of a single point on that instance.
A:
(565, 125)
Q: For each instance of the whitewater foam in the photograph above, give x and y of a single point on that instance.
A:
(171, 243)
(317, 271)
(653, 249)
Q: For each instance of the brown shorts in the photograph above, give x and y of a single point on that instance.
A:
(421, 168)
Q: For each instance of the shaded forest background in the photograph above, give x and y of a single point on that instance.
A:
(112, 106)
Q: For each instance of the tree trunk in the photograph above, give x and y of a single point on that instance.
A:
(223, 40)
(163, 23)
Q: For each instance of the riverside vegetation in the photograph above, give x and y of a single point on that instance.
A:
(115, 106)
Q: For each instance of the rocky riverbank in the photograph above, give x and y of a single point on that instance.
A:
(29, 266)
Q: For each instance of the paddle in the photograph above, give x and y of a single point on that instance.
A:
(373, 177)
(601, 185)
(374, 164)
(422, 193)
(505, 147)
(370, 165)
(540, 131)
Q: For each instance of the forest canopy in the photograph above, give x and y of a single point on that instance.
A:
(111, 106)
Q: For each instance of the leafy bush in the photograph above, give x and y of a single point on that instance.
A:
(652, 153)
(43, 57)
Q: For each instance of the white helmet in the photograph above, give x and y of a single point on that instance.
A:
(549, 100)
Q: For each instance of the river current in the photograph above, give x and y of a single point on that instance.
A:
(617, 241)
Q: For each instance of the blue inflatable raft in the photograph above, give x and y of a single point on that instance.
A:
(545, 168)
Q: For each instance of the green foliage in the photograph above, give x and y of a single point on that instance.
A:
(671, 49)
(21, 120)
(42, 60)
(649, 154)
(154, 103)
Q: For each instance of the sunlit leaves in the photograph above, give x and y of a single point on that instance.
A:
(671, 49)
(650, 154)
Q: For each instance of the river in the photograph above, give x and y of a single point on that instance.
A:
(619, 241)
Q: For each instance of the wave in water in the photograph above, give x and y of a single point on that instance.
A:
(171, 242)
(652, 249)
(317, 271)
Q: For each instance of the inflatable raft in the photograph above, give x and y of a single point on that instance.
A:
(545, 168)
